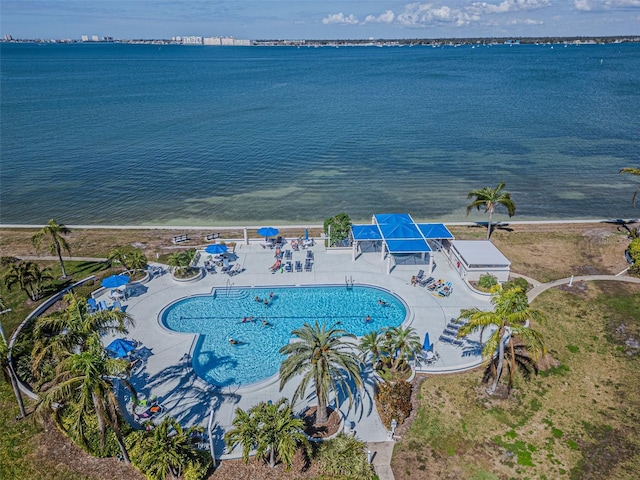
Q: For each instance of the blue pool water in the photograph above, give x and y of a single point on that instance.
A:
(219, 317)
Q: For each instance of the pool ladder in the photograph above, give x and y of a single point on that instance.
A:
(349, 282)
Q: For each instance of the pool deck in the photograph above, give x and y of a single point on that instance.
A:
(169, 376)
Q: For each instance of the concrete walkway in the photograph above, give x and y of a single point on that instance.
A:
(541, 287)
(381, 453)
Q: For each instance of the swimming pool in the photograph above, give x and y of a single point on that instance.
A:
(219, 317)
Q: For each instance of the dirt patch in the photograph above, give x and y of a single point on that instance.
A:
(53, 448)
(579, 288)
(321, 430)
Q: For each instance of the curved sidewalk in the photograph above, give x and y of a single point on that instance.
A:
(537, 290)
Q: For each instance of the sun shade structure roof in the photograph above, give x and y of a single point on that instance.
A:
(400, 233)
(481, 253)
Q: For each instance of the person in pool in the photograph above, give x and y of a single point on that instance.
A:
(257, 299)
(368, 319)
(382, 303)
(233, 342)
(266, 324)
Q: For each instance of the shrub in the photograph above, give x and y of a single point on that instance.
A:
(394, 402)
(517, 282)
(344, 457)
(340, 228)
(487, 281)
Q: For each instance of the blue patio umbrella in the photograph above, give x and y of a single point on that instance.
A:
(268, 231)
(120, 347)
(115, 281)
(216, 248)
(426, 345)
(306, 234)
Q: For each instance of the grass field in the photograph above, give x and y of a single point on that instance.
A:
(580, 419)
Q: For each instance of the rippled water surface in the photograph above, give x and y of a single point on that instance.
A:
(137, 134)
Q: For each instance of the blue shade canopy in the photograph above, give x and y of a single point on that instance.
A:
(392, 218)
(400, 231)
(216, 248)
(435, 231)
(120, 347)
(408, 246)
(268, 231)
(366, 232)
(115, 281)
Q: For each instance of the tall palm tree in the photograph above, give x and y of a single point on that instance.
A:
(490, 198)
(510, 317)
(167, 449)
(632, 171)
(268, 427)
(10, 375)
(321, 356)
(29, 277)
(84, 383)
(62, 333)
(53, 231)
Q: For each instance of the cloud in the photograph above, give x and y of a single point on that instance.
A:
(525, 21)
(340, 19)
(386, 17)
(417, 14)
(507, 6)
(601, 5)
(420, 14)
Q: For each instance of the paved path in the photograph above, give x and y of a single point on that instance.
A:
(52, 257)
(381, 453)
(537, 290)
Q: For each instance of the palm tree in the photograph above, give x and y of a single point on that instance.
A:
(268, 427)
(62, 333)
(402, 344)
(10, 375)
(490, 198)
(29, 277)
(167, 449)
(244, 432)
(510, 317)
(632, 171)
(372, 345)
(323, 357)
(84, 383)
(181, 261)
(130, 258)
(53, 231)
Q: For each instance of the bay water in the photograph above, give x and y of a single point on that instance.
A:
(119, 134)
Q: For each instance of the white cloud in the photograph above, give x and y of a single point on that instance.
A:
(340, 19)
(417, 14)
(386, 17)
(600, 5)
(525, 21)
(507, 6)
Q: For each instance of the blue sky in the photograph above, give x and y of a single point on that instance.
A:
(317, 19)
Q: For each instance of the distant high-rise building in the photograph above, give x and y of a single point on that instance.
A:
(85, 38)
(94, 38)
(8, 37)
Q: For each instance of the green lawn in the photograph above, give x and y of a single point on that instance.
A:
(580, 419)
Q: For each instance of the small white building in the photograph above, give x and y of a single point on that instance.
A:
(473, 258)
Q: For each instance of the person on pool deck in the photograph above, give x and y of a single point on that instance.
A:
(382, 303)
(414, 281)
